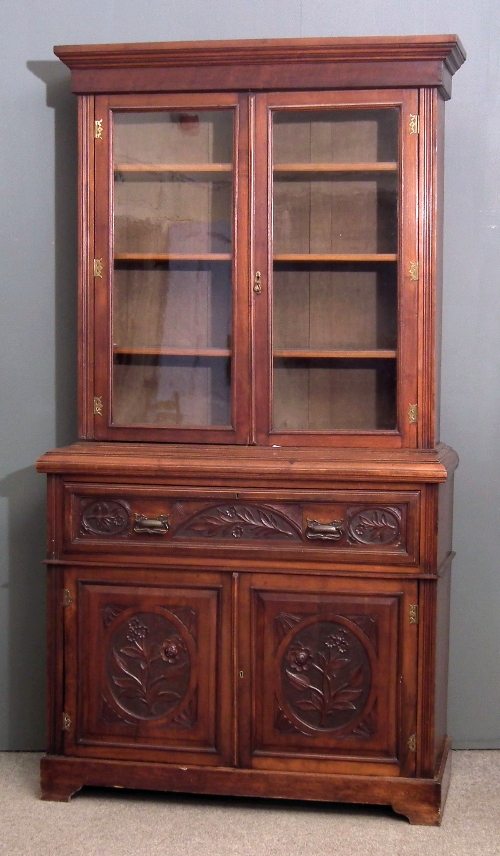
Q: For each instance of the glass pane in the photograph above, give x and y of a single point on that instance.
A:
(172, 293)
(335, 245)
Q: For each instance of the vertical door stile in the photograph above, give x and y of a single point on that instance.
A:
(261, 297)
(408, 273)
(101, 274)
(235, 667)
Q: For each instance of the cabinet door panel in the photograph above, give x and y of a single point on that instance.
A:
(333, 673)
(168, 307)
(339, 175)
(145, 667)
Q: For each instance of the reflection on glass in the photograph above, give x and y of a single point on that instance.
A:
(172, 294)
(335, 245)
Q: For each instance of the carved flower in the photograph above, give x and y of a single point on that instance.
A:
(338, 641)
(299, 657)
(172, 649)
(136, 631)
(237, 532)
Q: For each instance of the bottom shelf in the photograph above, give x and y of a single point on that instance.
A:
(334, 394)
(176, 390)
(421, 800)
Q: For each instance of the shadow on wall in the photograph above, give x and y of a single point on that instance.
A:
(60, 98)
(24, 585)
(25, 590)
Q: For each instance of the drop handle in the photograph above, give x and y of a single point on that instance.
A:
(257, 282)
(151, 525)
(332, 531)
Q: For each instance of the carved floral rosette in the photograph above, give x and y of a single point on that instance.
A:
(325, 668)
(150, 665)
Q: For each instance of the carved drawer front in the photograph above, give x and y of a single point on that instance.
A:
(146, 664)
(325, 663)
(350, 525)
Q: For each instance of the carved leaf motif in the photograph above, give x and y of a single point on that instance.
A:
(100, 517)
(241, 521)
(110, 612)
(375, 526)
(284, 622)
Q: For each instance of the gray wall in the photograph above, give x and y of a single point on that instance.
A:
(37, 273)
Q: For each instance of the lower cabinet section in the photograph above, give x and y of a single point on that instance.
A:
(262, 674)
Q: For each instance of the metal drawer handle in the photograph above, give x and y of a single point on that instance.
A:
(332, 531)
(151, 525)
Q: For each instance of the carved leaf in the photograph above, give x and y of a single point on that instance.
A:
(123, 666)
(132, 652)
(240, 521)
(298, 681)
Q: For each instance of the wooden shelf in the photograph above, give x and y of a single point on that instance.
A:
(173, 352)
(173, 257)
(172, 167)
(390, 166)
(335, 257)
(311, 354)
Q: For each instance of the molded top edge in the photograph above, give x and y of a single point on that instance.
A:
(445, 48)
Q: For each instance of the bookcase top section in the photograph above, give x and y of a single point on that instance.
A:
(265, 64)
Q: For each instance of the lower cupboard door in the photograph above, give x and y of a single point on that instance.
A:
(328, 675)
(147, 656)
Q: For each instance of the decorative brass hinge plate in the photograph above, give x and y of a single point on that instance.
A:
(414, 124)
(98, 268)
(98, 129)
(98, 405)
(413, 272)
(413, 613)
(412, 743)
(413, 414)
(66, 722)
(67, 597)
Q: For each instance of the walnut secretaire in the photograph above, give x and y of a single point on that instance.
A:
(249, 548)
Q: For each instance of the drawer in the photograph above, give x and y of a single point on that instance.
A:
(350, 525)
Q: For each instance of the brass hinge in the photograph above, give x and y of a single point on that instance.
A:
(67, 597)
(413, 613)
(66, 722)
(98, 268)
(98, 129)
(414, 124)
(413, 414)
(98, 405)
(412, 743)
(413, 272)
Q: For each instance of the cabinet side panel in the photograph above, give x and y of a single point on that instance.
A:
(85, 280)
(442, 660)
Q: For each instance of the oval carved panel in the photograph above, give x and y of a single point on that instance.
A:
(105, 517)
(325, 668)
(150, 665)
(374, 526)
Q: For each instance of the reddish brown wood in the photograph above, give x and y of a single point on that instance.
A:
(421, 800)
(243, 610)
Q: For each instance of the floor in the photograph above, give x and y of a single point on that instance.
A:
(127, 823)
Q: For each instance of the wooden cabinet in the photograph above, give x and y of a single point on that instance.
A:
(249, 547)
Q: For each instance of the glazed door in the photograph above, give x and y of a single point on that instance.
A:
(331, 668)
(171, 337)
(146, 665)
(335, 295)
